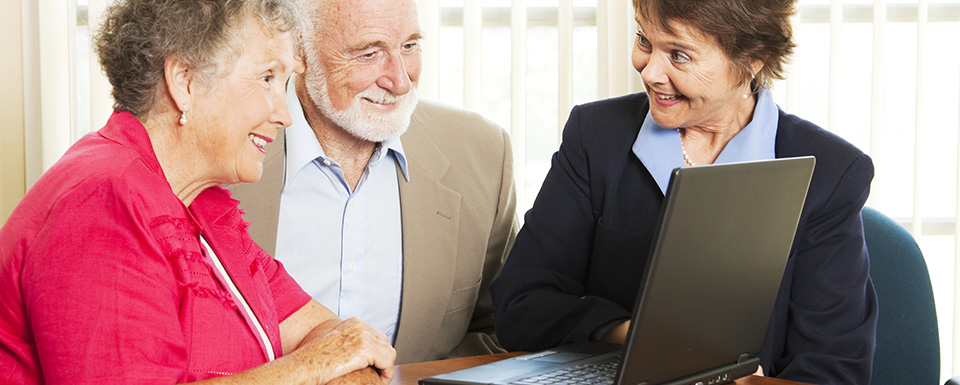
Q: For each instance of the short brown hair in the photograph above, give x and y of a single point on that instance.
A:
(138, 36)
(745, 30)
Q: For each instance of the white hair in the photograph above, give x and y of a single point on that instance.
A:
(367, 125)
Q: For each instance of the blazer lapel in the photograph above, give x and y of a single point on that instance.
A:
(431, 215)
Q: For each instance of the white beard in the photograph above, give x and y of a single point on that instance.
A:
(372, 126)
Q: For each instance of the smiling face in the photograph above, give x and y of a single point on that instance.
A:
(363, 65)
(690, 80)
(239, 114)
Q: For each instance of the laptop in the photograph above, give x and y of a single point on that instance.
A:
(710, 283)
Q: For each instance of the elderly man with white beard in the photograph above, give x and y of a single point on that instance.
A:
(383, 207)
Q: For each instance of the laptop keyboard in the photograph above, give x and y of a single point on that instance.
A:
(600, 373)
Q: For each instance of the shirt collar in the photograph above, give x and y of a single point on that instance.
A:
(658, 147)
(126, 129)
(394, 147)
(302, 146)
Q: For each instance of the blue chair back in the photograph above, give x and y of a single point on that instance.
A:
(908, 341)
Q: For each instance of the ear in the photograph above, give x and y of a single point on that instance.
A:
(755, 66)
(181, 82)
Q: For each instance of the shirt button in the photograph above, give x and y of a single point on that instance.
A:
(326, 162)
(353, 203)
(352, 266)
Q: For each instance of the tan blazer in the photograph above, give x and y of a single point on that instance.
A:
(459, 221)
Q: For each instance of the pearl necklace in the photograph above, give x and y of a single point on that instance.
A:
(686, 158)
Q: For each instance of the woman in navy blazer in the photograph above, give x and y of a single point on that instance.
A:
(572, 274)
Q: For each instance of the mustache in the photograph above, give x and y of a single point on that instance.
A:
(382, 96)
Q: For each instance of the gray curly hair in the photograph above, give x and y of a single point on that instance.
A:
(137, 36)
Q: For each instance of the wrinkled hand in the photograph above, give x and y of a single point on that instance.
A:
(337, 348)
(366, 376)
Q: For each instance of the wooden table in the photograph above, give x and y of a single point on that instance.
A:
(409, 374)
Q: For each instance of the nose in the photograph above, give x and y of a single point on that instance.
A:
(395, 77)
(281, 111)
(653, 70)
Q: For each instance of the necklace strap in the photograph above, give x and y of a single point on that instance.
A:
(686, 158)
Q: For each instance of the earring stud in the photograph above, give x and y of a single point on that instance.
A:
(183, 118)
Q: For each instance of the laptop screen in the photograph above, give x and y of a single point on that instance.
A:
(715, 267)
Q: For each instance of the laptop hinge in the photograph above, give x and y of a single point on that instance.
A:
(743, 358)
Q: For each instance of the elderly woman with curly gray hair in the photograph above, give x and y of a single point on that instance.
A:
(128, 263)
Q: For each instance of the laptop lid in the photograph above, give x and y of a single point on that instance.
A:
(714, 270)
(710, 282)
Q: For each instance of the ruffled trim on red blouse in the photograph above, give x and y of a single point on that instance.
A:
(178, 238)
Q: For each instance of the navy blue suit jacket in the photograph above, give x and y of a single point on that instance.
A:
(574, 265)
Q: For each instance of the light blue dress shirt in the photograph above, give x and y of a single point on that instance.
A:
(660, 151)
(344, 247)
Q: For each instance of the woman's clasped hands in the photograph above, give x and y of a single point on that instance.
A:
(349, 351)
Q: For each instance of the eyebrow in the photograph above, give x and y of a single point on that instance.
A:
(281, 65)
(381, 43)
(415, 36)
(672, 43)
(372, 44)
(683, 47)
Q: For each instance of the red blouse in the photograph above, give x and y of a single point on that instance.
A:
(103, 278)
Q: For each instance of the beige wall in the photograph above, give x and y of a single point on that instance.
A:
(12, 156)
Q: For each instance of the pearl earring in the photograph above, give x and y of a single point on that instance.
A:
(183, 118)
